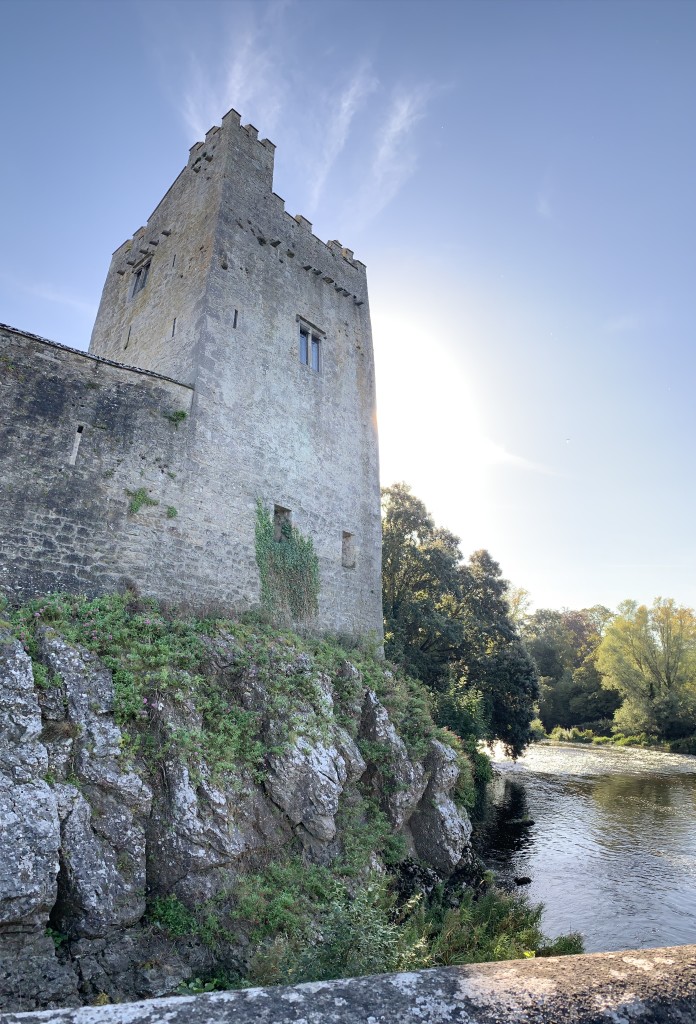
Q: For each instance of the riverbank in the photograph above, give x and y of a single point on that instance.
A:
(685, 745)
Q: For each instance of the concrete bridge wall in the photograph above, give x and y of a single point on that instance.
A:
(654, 986)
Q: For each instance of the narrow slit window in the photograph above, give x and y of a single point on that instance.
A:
(234, 319)
(140, 278)
(282, 523)
(128, 337)
(348, 551)
(174, 260)
(173, 327)
(76, 444)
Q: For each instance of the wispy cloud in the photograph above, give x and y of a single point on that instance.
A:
(52, 293)
(249, 81)
(350, 100)
(396, 155)
(494, 454)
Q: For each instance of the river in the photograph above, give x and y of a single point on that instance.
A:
(607, 836)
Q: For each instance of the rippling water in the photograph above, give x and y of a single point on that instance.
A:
(608, 837)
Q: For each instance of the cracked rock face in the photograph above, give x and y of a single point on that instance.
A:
(401, 793)
(88, 839)
(30, 845)
(441, 833)
(307, 781)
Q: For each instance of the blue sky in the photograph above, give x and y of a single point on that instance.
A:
(517, 176)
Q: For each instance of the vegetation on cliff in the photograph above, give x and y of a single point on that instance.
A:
(283, 800)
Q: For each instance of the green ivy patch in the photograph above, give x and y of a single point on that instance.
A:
(289, 569)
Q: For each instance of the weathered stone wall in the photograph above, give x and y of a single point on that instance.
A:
(76, 434)
(264, 426)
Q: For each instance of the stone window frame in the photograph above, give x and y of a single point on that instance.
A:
(140, 276)
(310, 341)
(348, 557)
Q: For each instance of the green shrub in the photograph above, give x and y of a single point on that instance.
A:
(686, 745)
(138, 500)
(171, 914)
(564, 945)
(537, 730)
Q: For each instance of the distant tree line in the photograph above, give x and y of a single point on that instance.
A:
(491, 665)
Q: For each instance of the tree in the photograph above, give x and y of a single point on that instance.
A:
(494, 660)
(519, 605)
(448, 622)
(649, 656)
(420, 586)
(564, 647)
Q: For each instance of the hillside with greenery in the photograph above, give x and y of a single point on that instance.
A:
(240, 805)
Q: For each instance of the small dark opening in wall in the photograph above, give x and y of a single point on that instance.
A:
(174, 260)
(234, 321)
(173, 327)
(282, 523)
(76, 444)
(128, 338)
(348, 551)
(140, 278)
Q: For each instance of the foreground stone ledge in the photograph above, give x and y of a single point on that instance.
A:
(650, 986)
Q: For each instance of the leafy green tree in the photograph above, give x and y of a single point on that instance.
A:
(420, 587)
(649, 656)
(564, 647)
(448, 622)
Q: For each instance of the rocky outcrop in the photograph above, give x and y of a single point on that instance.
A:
(93, 832)
(29, 973)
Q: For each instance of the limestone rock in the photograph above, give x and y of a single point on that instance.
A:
(441, 833)
(28, 812)
(87, 841)
(30, 975)
(308, 779)
(402, 783)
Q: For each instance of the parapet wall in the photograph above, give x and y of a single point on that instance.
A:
(648, 986)
(77, 434)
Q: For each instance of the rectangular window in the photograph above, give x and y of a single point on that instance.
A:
(173, 327)
(140, 278)
(234, 319)
(310, 348)
(348, 551)
(282, 523)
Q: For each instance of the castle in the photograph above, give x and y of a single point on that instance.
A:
(229, 379)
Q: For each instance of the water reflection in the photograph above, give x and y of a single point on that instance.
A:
(608, 837)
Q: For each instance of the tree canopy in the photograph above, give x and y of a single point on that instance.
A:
(448, 622)
(563, 645)
(649, 656)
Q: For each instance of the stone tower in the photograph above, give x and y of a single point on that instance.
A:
(224, 291)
